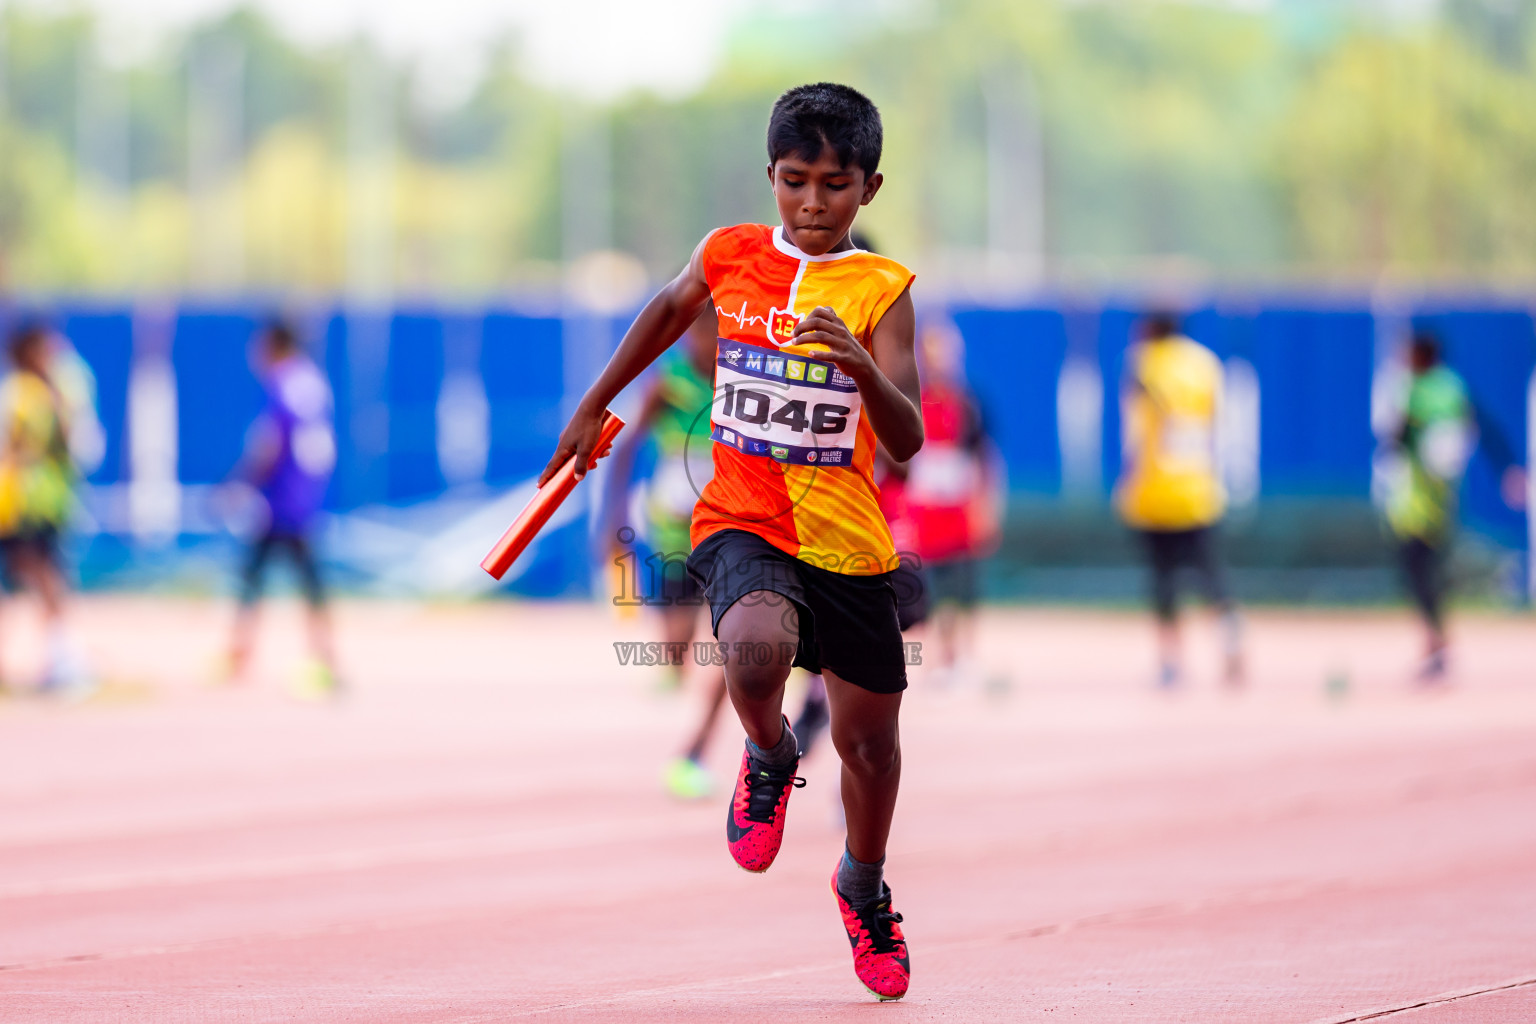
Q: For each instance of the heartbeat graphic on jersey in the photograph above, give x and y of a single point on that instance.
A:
(741, 317)
(778, 325)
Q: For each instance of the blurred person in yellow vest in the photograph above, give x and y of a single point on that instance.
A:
(37, 478)
(1170, 490)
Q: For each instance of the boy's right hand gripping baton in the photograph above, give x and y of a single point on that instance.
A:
(544, 502)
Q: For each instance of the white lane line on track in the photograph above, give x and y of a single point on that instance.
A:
(204, 945)
(432, 851)
(548, 839)
(646, 993)
(134, 821)
(1271, 894)
(1447, 997)
(1246, 897)
(1249, 897)
(1252, 897)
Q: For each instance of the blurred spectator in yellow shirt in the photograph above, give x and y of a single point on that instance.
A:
(1170, 490)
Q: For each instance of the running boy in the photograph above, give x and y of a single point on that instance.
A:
(814, 363)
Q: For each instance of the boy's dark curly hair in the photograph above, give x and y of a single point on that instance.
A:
(809, 117)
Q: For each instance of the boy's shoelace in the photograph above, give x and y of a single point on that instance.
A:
(880, 922)
(763, 791)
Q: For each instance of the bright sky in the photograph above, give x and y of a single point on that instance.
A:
(600, 47)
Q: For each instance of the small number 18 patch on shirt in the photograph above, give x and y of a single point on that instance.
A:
(788, 408)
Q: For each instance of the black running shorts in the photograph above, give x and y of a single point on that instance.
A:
(911, 595)
(41, 542)
(847, 623)
(298, 550)
(1171, 550)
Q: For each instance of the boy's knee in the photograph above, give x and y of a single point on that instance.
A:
(758, 668)
(869, 753)
(757, 682)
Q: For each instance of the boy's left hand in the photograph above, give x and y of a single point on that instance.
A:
(821, 326)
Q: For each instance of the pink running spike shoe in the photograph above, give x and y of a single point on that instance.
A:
(754, 823)
(879, 949)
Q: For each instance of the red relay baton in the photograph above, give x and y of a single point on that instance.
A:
(543, 504)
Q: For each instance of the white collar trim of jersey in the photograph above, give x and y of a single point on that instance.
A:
(788, 249)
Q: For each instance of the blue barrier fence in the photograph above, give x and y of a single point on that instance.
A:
(1314, 368)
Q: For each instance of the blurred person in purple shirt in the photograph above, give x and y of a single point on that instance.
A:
(289, 456)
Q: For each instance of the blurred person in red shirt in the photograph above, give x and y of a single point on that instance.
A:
(906, 578)
(944, 506)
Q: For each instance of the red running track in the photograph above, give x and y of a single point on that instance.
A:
(478, 833)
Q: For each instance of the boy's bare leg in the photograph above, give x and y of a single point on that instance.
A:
(677, 623)
(243, 633)
(945, 627)
(44, 580)
(864, 731)
(242, 638)
(754, 824)
(713, 703)
(757, 691)
(965, 634)
(1169, 651)
(66, 664)
(321, 637)
(1230, 626)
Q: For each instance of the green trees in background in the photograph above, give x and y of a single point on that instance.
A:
(1307, 138)
(1428, 167)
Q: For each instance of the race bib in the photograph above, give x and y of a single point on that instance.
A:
(1187, 444)
(784, 407)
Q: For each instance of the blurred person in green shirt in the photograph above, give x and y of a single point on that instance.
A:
(675, 414)
(1431, 433)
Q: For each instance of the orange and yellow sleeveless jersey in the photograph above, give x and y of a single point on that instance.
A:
(1171, 479)
(794, 456)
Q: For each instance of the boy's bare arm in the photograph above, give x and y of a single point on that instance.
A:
(660, 323)
(886, 372)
